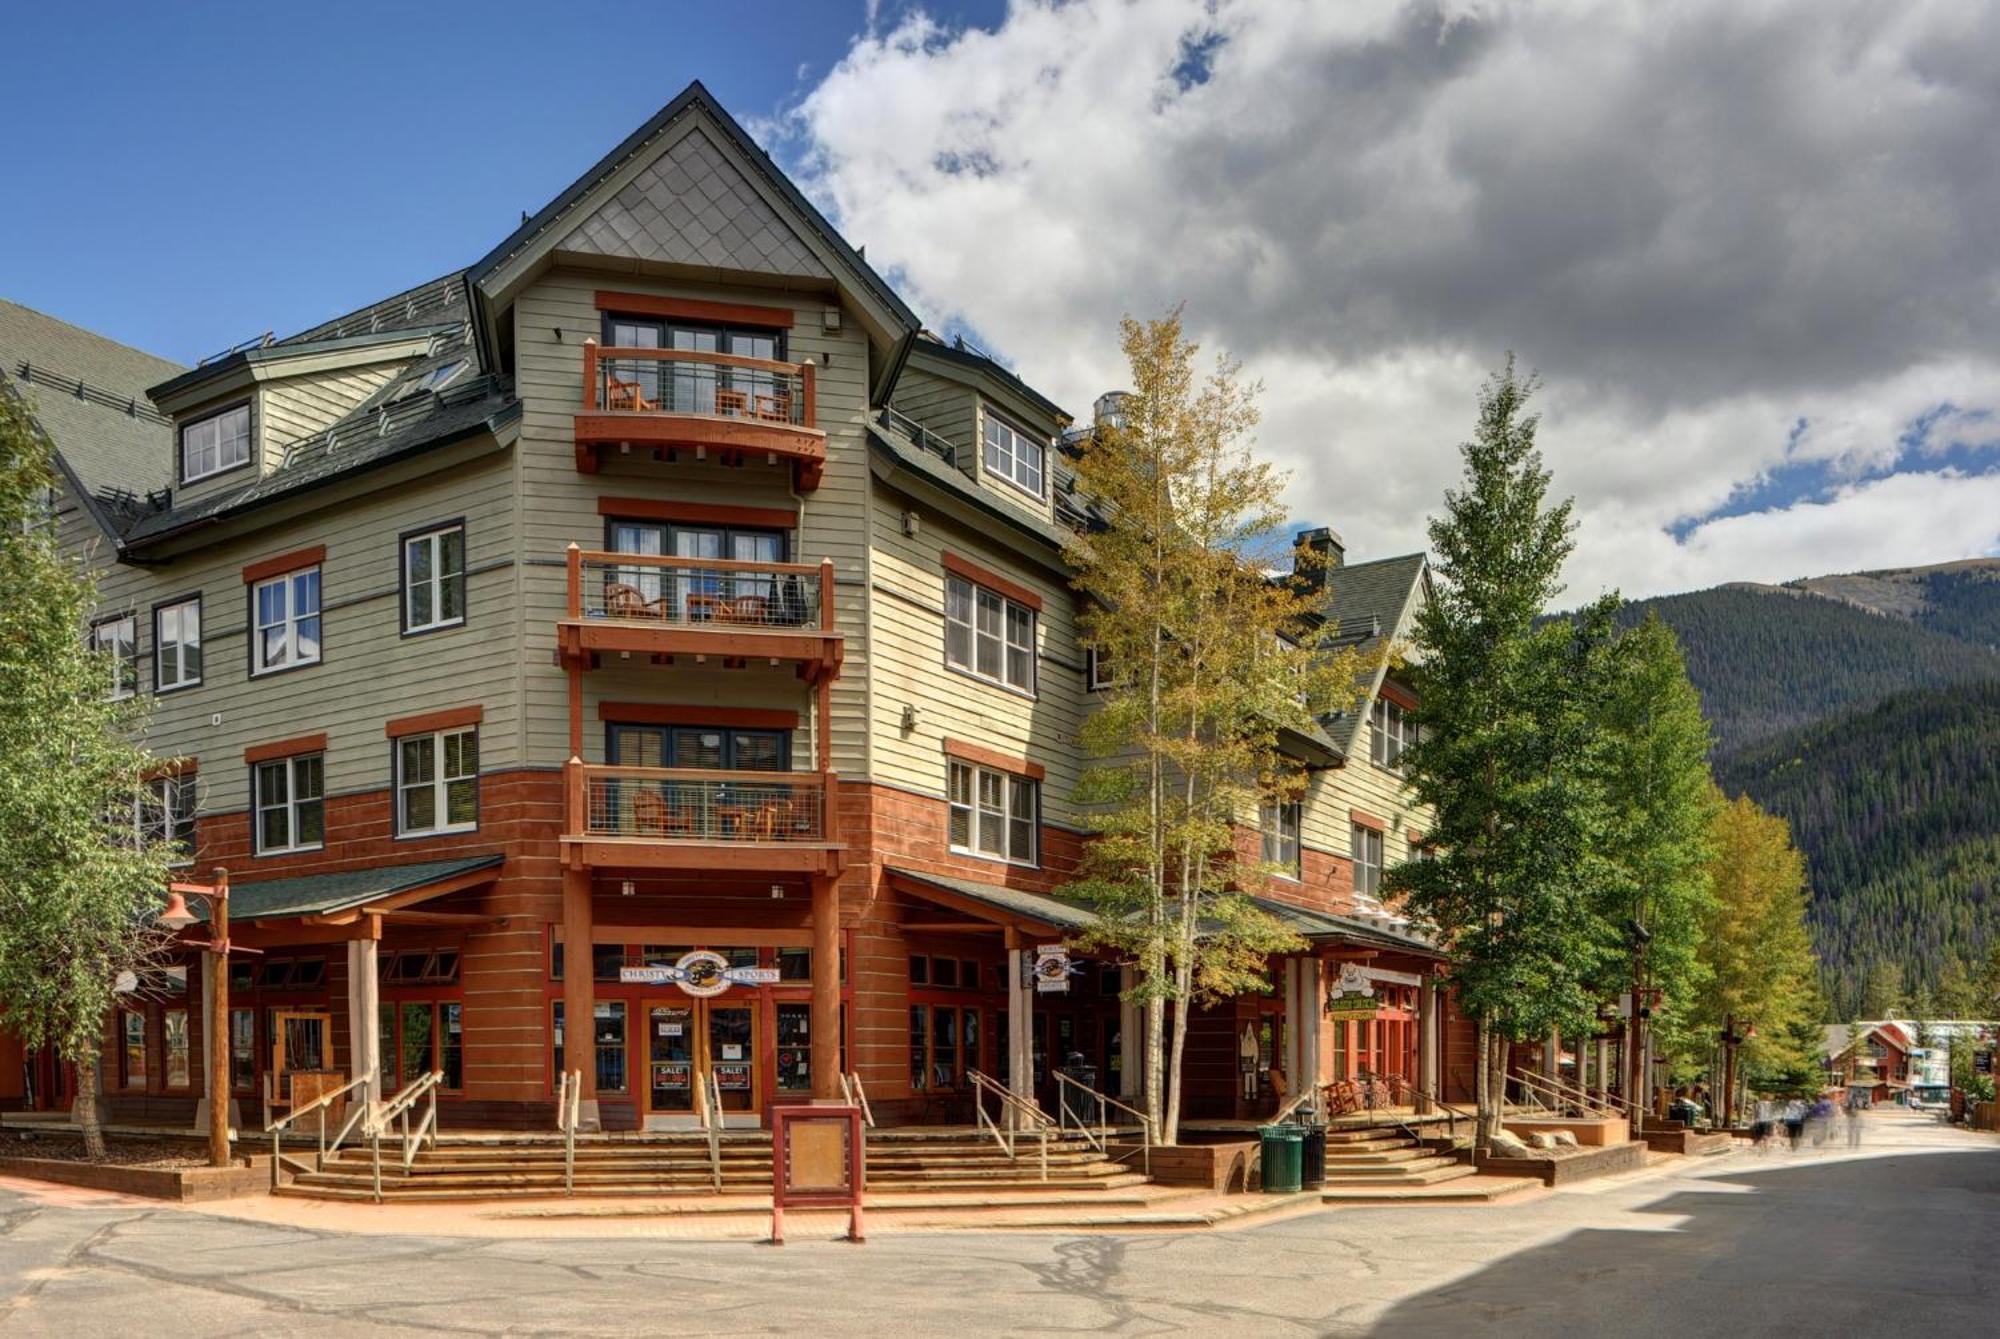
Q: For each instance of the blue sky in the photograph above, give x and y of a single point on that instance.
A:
(186, 176)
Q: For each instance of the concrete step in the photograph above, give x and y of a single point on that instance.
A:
(1382, 1158)
(1443, 1170)
(1468, 1189)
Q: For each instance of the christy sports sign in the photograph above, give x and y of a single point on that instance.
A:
(700, 973)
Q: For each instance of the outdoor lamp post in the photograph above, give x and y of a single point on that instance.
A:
(178, 917)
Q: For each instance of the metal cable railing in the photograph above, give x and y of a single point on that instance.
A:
(621, 380)
(700, 592)
(700, 805)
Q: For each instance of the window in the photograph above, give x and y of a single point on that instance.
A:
(1367, 860)
(1280, 822)
(174, 1037)
(286, 610)
(119, 638)
(1097, 671)
(993, 813)
(1013, 455)
(242, 1048)
(944, 1043)
(132, 1049)
(795, 964)
(437, 782)
(698, 746)
(608, 1042)
(216, 443)
(1393, 732)
(166, 814)
(177, 645)
(291, 814)
(988, 635)
(434, 579)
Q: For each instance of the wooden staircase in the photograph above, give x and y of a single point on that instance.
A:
(1388, 1166)
(519, 1166)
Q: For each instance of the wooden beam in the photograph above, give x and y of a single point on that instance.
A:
(951, 927)
(439, 918)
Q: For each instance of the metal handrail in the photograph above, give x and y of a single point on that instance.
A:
(1542, 1087)
(857, 1096)
(398, 1108)
(1024, 1115)
(708, 1109)
(569, 1109)
(1452, 1114)
(1101, 1141)
(1300, 1101)
(319, 1104)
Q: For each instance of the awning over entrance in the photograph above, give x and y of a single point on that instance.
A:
(994, 903)
(1326, 927)
(349, 890)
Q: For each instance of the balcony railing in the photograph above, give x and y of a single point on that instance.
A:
(619, 380)
(701, 592)
(701, 807)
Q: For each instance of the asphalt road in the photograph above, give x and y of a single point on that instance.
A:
(1896, 1239)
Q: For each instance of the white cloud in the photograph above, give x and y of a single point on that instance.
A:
(1702, 223)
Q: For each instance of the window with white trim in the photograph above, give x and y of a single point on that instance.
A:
(437, 782)
(118, 637)
(434, 579)
(1014, 455)
(994, 813)
(1097, 669)
(1391, 731)
(1279, 820)
(177, 645)
(164, 812)
(286, 610)
(289, 794)
(1367, 849)
(216, 443)
(988, 635)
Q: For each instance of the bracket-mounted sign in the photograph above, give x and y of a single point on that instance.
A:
(701, 973)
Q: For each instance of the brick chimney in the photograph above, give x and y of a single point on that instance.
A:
(1318, 552)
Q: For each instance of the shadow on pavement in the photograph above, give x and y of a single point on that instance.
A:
(1893, 1244)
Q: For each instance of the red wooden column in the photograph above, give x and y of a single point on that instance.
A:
(580, 992)
(825, 1016)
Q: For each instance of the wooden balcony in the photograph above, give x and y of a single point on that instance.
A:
(698, 819)
(704, 610)
(705, 406)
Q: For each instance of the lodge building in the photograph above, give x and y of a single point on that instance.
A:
(647, 652)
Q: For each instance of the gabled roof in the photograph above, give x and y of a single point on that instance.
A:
(1058, 913)
(1366, 604)
(902, 463)
(322, 894)
(971, 365)
(89, 395)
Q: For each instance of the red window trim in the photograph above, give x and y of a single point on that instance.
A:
(697, 513)
(664, 713)
(994, 758)
(286, 748)
(429, 722)
(283, 563)
(1363, 819)
(1398, 694)
(980, 576)
(694, 309)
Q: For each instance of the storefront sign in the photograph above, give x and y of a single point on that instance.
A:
(701, 973)
(1352, 994)
(1051, 969)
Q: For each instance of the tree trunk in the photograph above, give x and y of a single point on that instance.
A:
(1483, 1127)
(1156, 1031)
(84, 1109)
(1183, 980)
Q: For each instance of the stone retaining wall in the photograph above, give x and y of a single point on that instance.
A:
(1576, 1166)
(187, 1184)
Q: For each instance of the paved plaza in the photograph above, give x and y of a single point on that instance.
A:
(1894, 1239)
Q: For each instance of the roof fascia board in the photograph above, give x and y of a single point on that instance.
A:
(973, 513)
(278, 361)
(990, 379)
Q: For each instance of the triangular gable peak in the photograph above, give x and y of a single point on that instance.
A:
(690, 195)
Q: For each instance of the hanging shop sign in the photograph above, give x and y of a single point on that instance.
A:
(1052, 969)
(1352, 994)
(701, 973)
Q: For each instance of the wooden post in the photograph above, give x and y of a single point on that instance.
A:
(1427, 1065)
(218, 1022)
(579, 988)
(573, 559)
(1727, 1109)
(809, 393)
(826, 595)
(1020, 1020)
(589, 373)
(825, 1009)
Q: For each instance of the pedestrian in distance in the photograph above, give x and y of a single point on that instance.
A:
(1853, 1126)
(1795, 1123)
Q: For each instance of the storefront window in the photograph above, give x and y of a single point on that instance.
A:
(610, 1037)
(794, 1047)
(451, 1044)
(605, 960)
(243, 1049)
(919, 1049)
(944, 1046)
(132, 1052)
(174, 1034)
(795, 964)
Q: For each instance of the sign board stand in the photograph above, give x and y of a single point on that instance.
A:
(819, 1160)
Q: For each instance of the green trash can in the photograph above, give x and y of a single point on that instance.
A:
(1312, 1155)
(1280, 1146)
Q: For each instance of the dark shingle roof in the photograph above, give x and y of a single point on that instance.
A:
(320, 894)
(1365, 603)
(89, 395)
(898, 449)
(1055, 911)
(439, 302)
(1332, 927)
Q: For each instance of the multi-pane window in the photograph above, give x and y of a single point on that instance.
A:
(434, 579)
(437, 781)
(944, 1044)
(994, 813)
(989, 635)
(174, 1043)
(216, 443)
(1392, 732)
(1097, 671)
(177, 645)
(1367, 860)
(166, 814)
(1014, 455)
(132, 1049)
(286, 609)
(242, 1047)
(291, 805)
(1280, 823)
(119, 638)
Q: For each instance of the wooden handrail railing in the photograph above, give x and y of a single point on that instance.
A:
(1022, 1115)
(857, 1096)
(1102, 1140)
(319, 1104)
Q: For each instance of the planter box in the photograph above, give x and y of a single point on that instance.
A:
(1677, 1138)
(250, 1176)
(1578, 1165)
(1217, 1167)
(1596, 1131)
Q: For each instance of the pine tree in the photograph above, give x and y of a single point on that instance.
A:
(75, 879)
(1210, 657)
(1508, 752)
(1882, 994)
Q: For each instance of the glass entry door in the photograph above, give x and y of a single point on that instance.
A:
(670, 1069)
(690, 1042)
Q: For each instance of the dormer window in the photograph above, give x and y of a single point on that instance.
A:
(219, 442)
(1014, 455)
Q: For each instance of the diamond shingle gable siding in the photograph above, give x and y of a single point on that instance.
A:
(692, 206)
